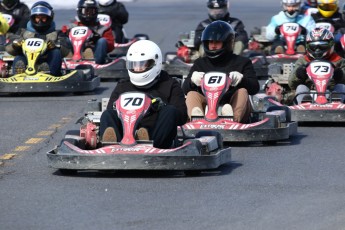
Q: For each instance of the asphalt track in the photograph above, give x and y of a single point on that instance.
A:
(297, 184)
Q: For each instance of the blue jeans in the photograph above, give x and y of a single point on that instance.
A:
(54, 60)
(338, 88)
(100, 51)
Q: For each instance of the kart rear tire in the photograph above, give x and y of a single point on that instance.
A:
(285, 108)
(212, 133)
(90, 74)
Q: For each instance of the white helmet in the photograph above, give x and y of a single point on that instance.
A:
(144, 62)
(105, 2)
(291, 8)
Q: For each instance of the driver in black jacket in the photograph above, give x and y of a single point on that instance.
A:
(144, 64)
(219, 10)
(19, 11)
(218, 41)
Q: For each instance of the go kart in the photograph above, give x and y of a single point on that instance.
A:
(268, 126)
(83, 150)
(115, 66)
(37, 78)
(319, 104)
(259, 47)
(178, 64)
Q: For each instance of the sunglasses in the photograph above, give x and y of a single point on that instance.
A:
(318, 46)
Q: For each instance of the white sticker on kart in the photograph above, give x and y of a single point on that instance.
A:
(214, 79)
(132, 101)
(320, 68)
(324, 25)
(79, 31)
(103, 18)
(290, 27)
(8, 17)
(34, 43)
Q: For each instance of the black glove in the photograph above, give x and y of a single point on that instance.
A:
(17, 43)
(277, 30)
(89, 44)
(301, 73)
(303, 30)
(50, 44)
(95, 37)
(338, 74)
(157, 104)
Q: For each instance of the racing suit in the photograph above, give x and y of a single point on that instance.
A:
(241, 39)
(119, 16)
(236, 96)
(161, 124)
(21, 16)
(53, 55)
(302, 85)
(303, 20)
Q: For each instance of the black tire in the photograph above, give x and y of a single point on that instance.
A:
(285, 108)
(212, 133)
(89, 75)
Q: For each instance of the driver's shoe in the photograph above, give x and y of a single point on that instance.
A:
(300, 49)
(227, 110)
(19, 67)
(142, 134)
(44, 67)
(109, 135)
(279, 50)
(196, 111)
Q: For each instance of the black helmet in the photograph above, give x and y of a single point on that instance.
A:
(218, 31)
(9, 4)
(217, 9)
(87, 11)
(216, 4)
(320, 43)
(41, 8)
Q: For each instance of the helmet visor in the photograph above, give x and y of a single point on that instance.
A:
(217, 13)
(140, 66)
(89, 12)
(41, 10)
(328, 7)
(291, 7)
(320, 46)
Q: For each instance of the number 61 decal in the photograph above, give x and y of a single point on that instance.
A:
(214, 79)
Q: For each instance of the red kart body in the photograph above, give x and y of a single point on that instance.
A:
(85, 150)
(324, 106)
(271, 126)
